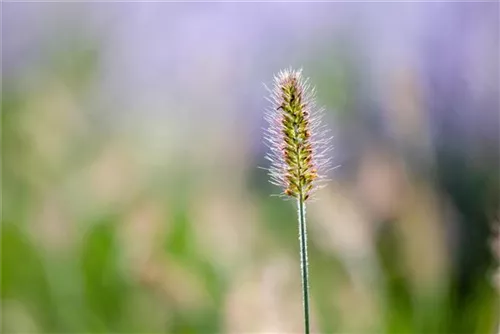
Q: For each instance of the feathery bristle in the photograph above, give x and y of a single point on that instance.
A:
(296, 139)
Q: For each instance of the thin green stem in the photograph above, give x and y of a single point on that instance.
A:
(301, 211)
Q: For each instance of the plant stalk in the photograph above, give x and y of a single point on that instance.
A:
(301, 210)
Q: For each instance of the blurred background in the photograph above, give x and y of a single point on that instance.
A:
(133, 202)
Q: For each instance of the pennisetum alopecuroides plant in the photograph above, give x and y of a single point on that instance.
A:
(298, 148)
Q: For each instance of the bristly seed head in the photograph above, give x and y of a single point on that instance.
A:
(296, 139)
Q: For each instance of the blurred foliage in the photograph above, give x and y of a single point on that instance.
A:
(73, 270)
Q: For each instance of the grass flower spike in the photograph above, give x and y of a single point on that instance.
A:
(298, 148)
(297, 141)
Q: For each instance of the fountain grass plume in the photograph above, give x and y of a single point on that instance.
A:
(298, 142)
(298, 147)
